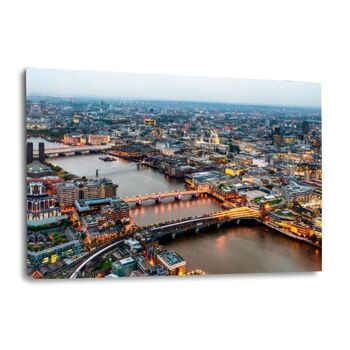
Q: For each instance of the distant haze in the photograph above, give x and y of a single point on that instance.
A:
(70, 83)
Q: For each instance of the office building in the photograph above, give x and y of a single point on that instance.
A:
(69, 192)
(172, 261)
(41, 207)
(124, 267)
(306, 127)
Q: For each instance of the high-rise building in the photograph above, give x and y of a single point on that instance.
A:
(277, 136)
(306, 127)
(29, 152)
(41, 152)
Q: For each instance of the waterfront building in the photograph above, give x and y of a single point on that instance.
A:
(175, 169)
(318, 227)
(281, 218)
(173, 262)
(228, 192)
(300, 229)
(74, 140)
(204, 179)
(98, 139)
(69, 192)
(112, 208)
(134, 151)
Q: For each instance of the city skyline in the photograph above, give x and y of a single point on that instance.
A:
(136, 187)
(158, 87)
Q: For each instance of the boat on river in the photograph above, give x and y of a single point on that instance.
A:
(107, 158)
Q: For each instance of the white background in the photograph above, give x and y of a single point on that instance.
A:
(293, 40)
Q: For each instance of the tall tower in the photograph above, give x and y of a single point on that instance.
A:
(306, 127)
(29, 152)
(41, 152)
(276, 135)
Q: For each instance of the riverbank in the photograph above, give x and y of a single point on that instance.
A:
(246, 248)
(290, 235)
(236, 249)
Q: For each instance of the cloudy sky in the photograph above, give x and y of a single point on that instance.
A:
(72, 83)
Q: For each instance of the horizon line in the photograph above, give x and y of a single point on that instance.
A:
(115, 98)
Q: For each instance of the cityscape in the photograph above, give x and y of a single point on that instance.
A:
(165, 185)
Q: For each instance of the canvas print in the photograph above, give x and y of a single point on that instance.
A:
(135, 175)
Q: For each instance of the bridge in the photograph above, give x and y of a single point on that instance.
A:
(157, 197)
(73, 150)
(171, 227)
(156, 231)
(199, 222)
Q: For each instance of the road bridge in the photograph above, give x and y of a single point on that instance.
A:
(172, 227)
(73, 150)
(199, 222)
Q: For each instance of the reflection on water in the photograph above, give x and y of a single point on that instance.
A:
(171, 210)
(131, 181)
(238, 249)
(244, 248)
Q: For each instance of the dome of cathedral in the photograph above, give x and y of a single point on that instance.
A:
(214, 138)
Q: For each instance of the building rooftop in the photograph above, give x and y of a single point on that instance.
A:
(127, 261)
(84, 204)
(170, 257)
(208, 176)
(36, 168)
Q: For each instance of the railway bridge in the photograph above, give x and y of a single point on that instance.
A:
(157, 197)
(198, 223)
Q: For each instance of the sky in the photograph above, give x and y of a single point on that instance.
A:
(71, 83)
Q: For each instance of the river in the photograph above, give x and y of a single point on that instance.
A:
(48, 144)
(244, 248)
